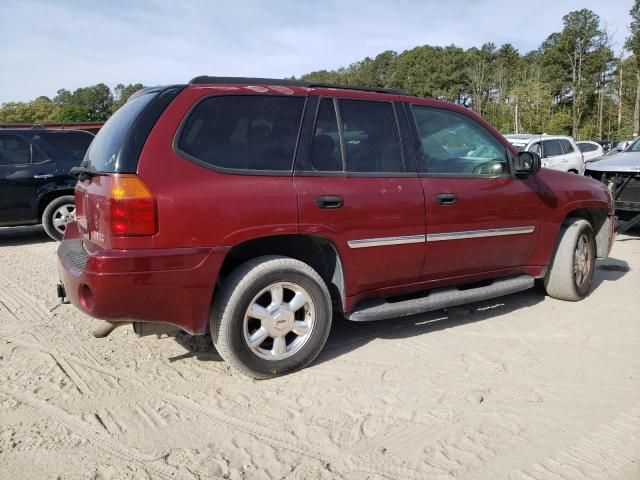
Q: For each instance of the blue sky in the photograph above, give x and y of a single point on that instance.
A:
(48, 45)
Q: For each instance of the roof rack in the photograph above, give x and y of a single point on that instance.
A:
(204, 79)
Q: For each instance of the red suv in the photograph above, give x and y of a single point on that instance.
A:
(253, 209)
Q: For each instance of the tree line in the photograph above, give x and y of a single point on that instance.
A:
(87, 104)
(574, 83)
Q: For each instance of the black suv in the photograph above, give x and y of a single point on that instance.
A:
(35, 186)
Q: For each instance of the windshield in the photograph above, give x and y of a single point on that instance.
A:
(104, 152)
(634, 147)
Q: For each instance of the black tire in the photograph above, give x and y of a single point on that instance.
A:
(569, 277)
(51, 216)
(244, 286)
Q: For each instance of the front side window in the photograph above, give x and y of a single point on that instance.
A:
(454, 144)
(371, 138)
(566, 146)
(552, 148)
(536, 148)
(14, 150)
(243, 132)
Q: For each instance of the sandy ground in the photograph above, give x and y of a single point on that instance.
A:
(523, 387)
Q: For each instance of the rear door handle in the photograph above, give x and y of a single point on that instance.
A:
(446, 198)
(329, 201)
(44, 175)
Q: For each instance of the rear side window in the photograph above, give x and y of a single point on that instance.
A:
(14, 150)
(566, 146)
(74, 144)
(252, 132)
(371, 139)
(552, 148)
(587, 147)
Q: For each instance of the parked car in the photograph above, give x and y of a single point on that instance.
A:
(253, 209)
(35, 185)
(618, 147)
(621, 174)
(557, 152)
(590, 150)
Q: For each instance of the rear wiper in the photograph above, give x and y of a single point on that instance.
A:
(83, 173)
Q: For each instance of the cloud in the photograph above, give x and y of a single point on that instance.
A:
(45, 46)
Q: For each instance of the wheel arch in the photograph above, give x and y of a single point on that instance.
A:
(314, 250)
(598, 218)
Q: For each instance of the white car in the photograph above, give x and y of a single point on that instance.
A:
(557, 152)
(590, 150)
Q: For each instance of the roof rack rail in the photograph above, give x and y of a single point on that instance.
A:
(204, 79)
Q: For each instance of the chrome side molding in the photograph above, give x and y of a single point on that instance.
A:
(384, 241)
(492, 232)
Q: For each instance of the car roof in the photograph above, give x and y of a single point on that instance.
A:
(527, 137)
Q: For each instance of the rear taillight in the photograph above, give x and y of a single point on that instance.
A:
(133, 207)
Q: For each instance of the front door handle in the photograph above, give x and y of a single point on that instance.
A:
(446, 198)
(329, 201)
(44, 175)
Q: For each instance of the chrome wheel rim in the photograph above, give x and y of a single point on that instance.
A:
(64, 214)
(279, 321)
(582, 260)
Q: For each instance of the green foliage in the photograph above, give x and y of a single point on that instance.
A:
(568, 85)
(86, 104)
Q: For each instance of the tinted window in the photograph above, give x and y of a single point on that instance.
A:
(250, 132)
(325, 147)
(566, 146)
(372, 142)
(453, 143)
(104, 152)
(552, 148)
(74, 144)
(587, 147)
(14, 150)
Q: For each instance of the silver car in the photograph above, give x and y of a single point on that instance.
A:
(621, 173)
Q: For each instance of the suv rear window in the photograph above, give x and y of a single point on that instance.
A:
(74, 144)
(243, 132)
(105, 150)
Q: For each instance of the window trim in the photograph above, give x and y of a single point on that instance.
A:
(422, 162)
(301, 163)
(239, 171)
(29, 144)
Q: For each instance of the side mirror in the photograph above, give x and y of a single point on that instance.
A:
(526, 163)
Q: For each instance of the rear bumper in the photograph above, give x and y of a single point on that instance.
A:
(172, 286)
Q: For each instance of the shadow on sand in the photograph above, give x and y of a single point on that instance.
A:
(17, 236)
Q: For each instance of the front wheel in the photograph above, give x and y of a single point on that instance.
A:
(570, 274)
(271, 316)
(58, 213)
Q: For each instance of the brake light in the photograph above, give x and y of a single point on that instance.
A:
(133, 207)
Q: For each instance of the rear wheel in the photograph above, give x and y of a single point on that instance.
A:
(570, 274)
(57, 214)
(271, 316)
